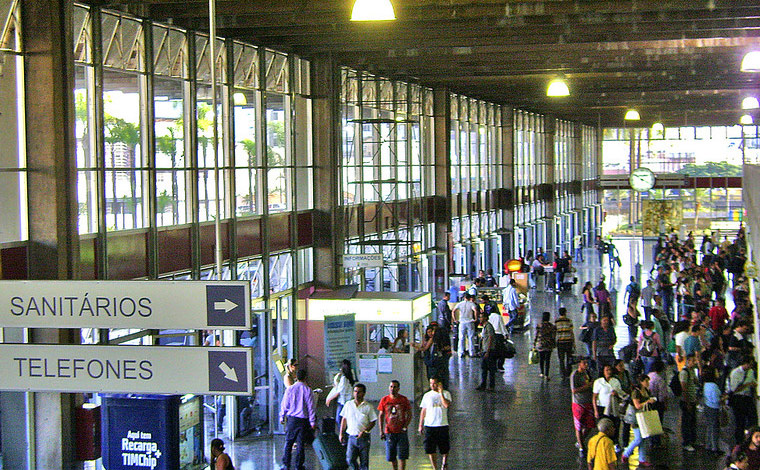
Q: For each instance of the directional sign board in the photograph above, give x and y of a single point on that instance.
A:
(126, 369)
(126, 304)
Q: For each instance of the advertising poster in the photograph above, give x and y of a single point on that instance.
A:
(340, 341)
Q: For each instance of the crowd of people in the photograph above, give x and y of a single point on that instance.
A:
(684, 354)
(683, 348)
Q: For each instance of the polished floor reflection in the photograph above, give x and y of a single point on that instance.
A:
(525, 423)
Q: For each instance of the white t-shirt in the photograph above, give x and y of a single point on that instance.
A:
(498, 324)
(604, 390)
(435, 414)
(466, 311)
(357, 418)
(680, 338)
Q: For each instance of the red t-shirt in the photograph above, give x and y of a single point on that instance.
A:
(718, 317)
(396, 411)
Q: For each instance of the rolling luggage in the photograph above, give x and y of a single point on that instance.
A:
(329, 450)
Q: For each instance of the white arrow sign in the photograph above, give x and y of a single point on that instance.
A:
(229, 372)
(126, 304)
(225, 305)
(126, 369)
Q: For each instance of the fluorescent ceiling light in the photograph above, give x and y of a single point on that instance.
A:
(239, 99)
(557, 87)
(751, 62)
(373, 10)
(746, 120)
(632, 115)
(750, 102)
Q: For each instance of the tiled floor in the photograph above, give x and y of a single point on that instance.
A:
(524, 424)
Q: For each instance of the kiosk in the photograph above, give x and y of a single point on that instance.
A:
(377, 315)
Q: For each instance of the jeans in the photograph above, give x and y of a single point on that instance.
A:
(488, 367)
(637, 441)
(688, 423)
(667, 303)
(358, 448)
(467, 328)
(579, 254)
(712, 428)
(648, 363)
(632, 332)
(745, 414)
(546, 359)
(564, 354)
(647, 313)
(295, 432)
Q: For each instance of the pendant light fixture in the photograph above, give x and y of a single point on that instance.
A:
(632, 115)
(746, 120)
(373, 10)
(750, 102)
(557, 87)
(658, 128)
(751, 62)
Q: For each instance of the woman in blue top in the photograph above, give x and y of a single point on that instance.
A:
(712, 394)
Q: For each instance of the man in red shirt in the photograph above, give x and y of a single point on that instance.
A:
(718, 315)
(395, 414)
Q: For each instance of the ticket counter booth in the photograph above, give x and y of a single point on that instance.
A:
(379, 315)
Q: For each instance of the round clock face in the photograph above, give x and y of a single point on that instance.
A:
(642, 179)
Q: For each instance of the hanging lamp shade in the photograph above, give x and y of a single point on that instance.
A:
(750, 102)
(557, 87)
(632, 115)
(746, 120)
(751, 62)
(658, 128)
(373, 10)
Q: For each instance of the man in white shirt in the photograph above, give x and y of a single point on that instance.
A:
(466, 311)
(358, 418)
(741, 382)
(647, 295)
(500, 331)
(511, 302)
(604, 388)
(434, 417)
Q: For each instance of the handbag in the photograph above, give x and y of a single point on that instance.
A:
(630, 414)
(649, 423)
(629, 320)
(533, 356)
(613, 407)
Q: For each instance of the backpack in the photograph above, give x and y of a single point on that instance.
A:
(648, 347)
(675, 385)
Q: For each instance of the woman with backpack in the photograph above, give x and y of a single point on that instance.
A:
(649, 345)
(545, 342)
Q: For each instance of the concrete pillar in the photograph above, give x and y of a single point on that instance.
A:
(508, 181)
(52, 199)
(329, 230)
(550, 125)
(442, 177)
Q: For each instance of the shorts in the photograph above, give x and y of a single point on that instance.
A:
(396, 446)
(583, 416)
(437, 437)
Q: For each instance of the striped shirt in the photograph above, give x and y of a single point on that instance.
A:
(564, 330)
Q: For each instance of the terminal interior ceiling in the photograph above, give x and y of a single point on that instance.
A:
(677, 62)
(428, 140)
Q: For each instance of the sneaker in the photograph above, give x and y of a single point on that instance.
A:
(541, 375)
(688, 448)
(501, 370)
(617, 449)
(547, 378)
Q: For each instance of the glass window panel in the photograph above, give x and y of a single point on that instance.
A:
(278, 130)
(277, 75)
(124, 183)
(278, 194)
(206, 179)
(246, 66)
(280, 272)
(171, 161)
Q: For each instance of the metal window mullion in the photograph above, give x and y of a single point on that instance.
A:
(147, 95)
(99, 144)
(191, 153)
(229, 144)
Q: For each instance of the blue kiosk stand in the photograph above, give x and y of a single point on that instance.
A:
(152, 432)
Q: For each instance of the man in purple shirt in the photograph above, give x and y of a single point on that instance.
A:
(298, 407)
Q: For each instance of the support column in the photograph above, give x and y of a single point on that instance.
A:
(442, 178)
(550, 125)
(507, 159)
(329, 230)
(52, 199)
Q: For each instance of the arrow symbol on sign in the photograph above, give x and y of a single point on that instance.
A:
(229, 372)
(225, 305)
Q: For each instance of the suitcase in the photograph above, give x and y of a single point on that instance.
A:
(330, 452)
